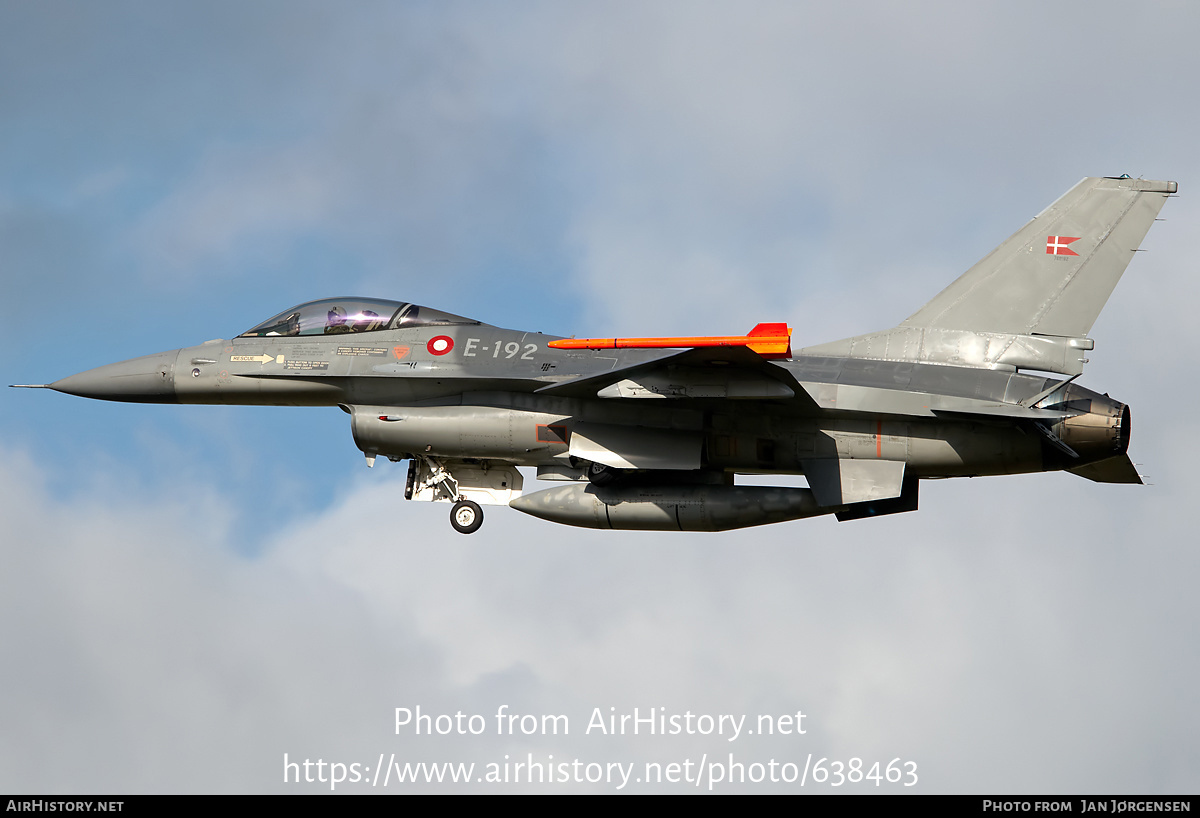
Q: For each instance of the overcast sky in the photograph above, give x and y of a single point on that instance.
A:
(188, 593)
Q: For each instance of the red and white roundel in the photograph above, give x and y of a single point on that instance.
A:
(440, 345)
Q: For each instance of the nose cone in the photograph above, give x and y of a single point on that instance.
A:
(150, 379)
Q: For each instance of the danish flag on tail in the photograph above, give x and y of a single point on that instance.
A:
(1057, 245)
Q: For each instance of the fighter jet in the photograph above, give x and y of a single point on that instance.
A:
(650, 433)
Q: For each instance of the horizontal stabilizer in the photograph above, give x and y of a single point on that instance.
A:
(1118, 469)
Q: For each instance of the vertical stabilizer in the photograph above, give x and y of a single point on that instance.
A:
(1054, 275)
(1032, 301)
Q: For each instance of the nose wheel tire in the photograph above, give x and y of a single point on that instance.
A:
(466, 517)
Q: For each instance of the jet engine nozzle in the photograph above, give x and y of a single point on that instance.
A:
(1096, 428)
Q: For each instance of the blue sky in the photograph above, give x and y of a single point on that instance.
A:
(190, 592)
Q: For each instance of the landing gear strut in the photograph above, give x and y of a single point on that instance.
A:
(465, 484)
(466, 517)
(600, 475)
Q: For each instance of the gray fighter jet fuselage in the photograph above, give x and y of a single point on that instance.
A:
(648, 433)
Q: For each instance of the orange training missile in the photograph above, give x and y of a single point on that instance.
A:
(768, 340)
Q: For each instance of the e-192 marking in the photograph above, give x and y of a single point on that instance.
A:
(509, 349)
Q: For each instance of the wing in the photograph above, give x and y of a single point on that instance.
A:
(734, 373)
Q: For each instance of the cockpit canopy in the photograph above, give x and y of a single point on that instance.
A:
(335, 316)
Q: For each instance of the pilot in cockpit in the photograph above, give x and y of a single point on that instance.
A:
(335, 321)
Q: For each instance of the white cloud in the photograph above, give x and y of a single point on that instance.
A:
(144, 654)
